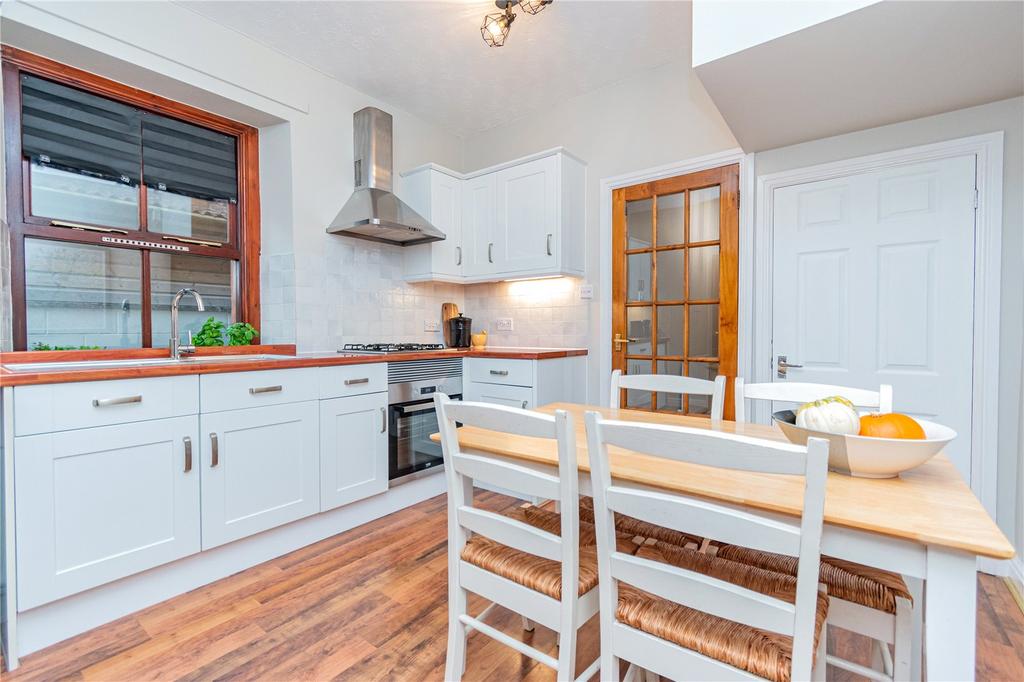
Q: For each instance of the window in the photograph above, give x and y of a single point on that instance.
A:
(117, 199)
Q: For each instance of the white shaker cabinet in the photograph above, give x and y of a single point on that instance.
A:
(436, 196)
(97, 504)
(353, 449)
(525, 383)
(478, 223)
(260, 469)
(525, 230)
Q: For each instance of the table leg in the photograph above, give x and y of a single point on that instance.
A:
(950, 603)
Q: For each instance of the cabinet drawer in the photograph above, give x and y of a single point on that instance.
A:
(497, 371)
(61, 407)
(345, 380)
(239, 390)
(499, 394)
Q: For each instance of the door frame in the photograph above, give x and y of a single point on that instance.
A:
(988, 149)
(746, 234)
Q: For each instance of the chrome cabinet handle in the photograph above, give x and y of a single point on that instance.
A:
(188, 453)
(524, 404)
(490, 252)
(458, 251)
(499, 372)
(783, 367)
(106, 402)
(265, 389)
(353, 382)
(549, 244)
(214, 451)
(383, 419)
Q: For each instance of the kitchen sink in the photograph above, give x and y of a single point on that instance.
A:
(139, 362)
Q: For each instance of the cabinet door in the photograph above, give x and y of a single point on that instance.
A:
(478, 220)
(527, 216)
(446, 215)
(98, 504)
(500, 394)
(353, 449)
(260, 469)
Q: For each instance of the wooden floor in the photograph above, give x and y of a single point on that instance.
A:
(370, 604)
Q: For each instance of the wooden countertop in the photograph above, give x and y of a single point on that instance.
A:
(18, 378)
(930, 504)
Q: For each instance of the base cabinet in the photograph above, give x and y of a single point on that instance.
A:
(259, 469)
(353, 449)
(95, 505)
(498, 394)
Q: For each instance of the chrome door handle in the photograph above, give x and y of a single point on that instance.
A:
(490, 252)
(458, 252)
(106, 402)
(383, 419)
(265, 389)
(353, 382)
(782, 367)
(188, 453)
(549, 244)
(214, 451)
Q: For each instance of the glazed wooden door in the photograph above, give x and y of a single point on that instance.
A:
(674, 283)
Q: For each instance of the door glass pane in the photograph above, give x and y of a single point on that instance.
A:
(638, 326)
(670, 330)
(703, 273)
(638, 277)
(701, 404)
(670, 275)
(211, 277)
(75, 197)
(704, 214)
(634, 398)
(184, 216)
(671, 219)
(703, 331)
(639, 222)
(82, 295)
(670, 401)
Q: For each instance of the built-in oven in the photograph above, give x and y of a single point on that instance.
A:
(412, 418)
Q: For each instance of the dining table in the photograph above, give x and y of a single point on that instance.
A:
(925, 524)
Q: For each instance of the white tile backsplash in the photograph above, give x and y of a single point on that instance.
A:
(544, 312)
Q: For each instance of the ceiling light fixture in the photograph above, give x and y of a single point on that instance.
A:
(497, 25)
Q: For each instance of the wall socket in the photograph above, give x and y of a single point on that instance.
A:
(431, 326)
(503, 324)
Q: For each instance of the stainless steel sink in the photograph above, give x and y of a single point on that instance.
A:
(141, 362)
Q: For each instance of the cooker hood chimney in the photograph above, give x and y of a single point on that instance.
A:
(373, 212)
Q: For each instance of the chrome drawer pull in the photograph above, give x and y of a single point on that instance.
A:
(105, 402)
(265, 389)
(188, 453)
(499, 372)
(214, 451)
(383, 419)
(353, 382)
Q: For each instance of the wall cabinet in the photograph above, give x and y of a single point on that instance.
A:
(524, 218)
(353, 449)
(94, 505)
(260, 469)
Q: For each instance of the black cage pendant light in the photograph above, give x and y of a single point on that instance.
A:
(497, 25)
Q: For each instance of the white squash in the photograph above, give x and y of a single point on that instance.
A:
(834, 414)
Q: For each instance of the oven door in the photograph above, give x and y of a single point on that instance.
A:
(411, 453)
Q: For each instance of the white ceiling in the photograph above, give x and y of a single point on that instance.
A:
(428, 57)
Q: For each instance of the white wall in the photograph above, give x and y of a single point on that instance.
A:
(1008, 116)
(657, 117)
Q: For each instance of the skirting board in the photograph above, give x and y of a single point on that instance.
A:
(1016, 580)
(52, 623)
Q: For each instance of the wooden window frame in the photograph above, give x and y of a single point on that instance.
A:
(243, 243)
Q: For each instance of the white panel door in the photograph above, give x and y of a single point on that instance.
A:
(260, 469)
(99, 504)
(874, 284)
(446, 215)
(353, 449)
(527, 219)
(478, 220)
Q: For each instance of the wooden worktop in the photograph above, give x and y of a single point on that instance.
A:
(930, 504)
(12, 378)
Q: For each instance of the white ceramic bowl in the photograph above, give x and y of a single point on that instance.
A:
(869, 457)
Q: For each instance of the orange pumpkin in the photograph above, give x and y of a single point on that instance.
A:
(890, 426)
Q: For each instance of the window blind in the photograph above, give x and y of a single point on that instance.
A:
(185, 159)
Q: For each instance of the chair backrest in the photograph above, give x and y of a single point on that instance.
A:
(804, 393)
(462, 467)
(764, 531)
(670, 383)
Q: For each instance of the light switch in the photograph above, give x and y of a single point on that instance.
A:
(586, 292)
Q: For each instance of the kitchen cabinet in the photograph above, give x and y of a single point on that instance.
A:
(524, 218)
(97, 504)
(525, 383)
(260, 469)
(353, 449)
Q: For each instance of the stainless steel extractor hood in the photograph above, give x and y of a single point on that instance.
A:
(373, 212)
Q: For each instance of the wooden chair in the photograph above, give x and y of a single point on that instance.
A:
(545, 577)
(670, 383)
(701, 617)
(797, 392)
(874, 603)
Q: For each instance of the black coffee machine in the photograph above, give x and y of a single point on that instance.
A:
(459, 331)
